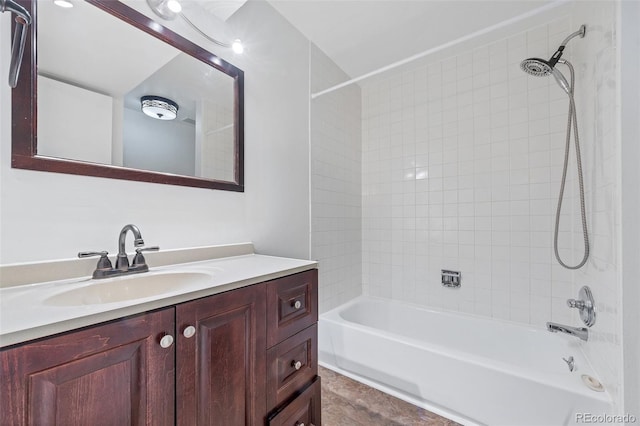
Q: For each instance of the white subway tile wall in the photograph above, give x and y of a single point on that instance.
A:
(460, 168)
(462, 163)
(458, 174)
(599, 108)
(336, 201)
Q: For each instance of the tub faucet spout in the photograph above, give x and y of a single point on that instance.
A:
(579, 332)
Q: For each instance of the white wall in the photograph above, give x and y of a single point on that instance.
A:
(86, 137)
(161, 145)
(336, 201)
(276, 65)
(51, 216)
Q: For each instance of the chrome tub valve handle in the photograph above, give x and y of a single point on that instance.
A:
(586, 305)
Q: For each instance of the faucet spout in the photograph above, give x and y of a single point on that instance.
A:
(122, 261)
(579, 332)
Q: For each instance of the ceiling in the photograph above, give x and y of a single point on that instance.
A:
(361, 36)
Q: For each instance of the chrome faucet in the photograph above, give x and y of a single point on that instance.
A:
(581, 333)
(104, 269)
(122, 261)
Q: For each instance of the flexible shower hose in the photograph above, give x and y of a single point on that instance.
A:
(572, 122)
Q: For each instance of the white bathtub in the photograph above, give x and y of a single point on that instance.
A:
(473, 370)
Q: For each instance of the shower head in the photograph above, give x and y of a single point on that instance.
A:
(536, 67)
(541, 68)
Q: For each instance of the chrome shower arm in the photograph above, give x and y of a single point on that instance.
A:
(23, 20)
(581, 32)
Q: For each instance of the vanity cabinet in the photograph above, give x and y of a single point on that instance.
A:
(116, 373)
(293, 385)
(221, 359)
(243, 357)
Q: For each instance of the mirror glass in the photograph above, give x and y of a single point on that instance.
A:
(93, 73)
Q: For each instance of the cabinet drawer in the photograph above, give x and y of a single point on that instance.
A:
(292, 305)
(304, 410)
(291, 365)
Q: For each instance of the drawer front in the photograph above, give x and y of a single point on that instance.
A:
(292, 305)
(291, 365)
(304, 410)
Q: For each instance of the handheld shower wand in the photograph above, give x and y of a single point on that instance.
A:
(541, 68)
(23, 20)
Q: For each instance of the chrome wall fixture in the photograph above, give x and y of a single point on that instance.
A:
(23, 20)
(586, 305)
(450, 279)
(170, 9)
(542, 68)
(159, 108)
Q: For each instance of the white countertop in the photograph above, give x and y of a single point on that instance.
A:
(26, 312)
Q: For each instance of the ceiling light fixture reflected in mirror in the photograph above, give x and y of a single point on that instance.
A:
(159, 108)
(169, 9)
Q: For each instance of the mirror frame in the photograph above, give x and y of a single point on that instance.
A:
(24, 138)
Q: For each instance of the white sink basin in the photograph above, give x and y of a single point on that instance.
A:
(125, 288)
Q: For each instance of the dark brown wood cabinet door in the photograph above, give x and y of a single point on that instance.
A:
(111, 374)
(222, 367)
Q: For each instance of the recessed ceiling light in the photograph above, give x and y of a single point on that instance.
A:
(174, 6)
(237, 46)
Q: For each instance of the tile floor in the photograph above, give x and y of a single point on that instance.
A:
(346, 402)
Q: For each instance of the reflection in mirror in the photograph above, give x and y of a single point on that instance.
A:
(94, 70)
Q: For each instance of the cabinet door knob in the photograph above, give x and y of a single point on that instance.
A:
(189, 332)
(299, 424)
(296, 364)
(166, 341)
(297, 304)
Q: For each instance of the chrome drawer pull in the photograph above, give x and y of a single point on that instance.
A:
(299, 424)
(296, 305)
(296, 364)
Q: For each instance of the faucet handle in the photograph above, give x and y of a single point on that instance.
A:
(585, 304)
(154, 248)
(139, 258)
(103, 262)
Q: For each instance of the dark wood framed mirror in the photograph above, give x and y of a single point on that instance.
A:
(74, 124)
